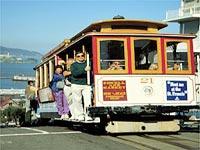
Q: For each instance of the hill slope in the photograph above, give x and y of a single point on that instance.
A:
(17, 55)
(20, 52)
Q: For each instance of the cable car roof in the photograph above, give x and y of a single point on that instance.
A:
(118, 22)
(119, 25)
(114, 27)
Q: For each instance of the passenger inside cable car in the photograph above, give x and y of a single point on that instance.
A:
(112, 55)
(146, 54)
(115, 66)
(177, 55)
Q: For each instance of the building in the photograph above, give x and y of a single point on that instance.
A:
(14, 97)
(188, 16)
(3, 56)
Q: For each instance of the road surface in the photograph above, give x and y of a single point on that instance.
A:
(63, 138)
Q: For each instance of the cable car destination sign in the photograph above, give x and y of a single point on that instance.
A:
(114, 90)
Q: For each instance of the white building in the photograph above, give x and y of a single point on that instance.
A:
(5, 55)
(188, 16)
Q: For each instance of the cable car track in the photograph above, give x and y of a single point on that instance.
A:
(155, 141)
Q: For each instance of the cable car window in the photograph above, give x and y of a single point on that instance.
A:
(177, 55)
(112, 55)
(146, 57)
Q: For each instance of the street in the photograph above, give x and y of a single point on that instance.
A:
(62, 138)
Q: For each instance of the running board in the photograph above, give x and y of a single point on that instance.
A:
(95, 120)
(159, 126)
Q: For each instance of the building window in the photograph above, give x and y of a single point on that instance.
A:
(177, 55)
(189, 1)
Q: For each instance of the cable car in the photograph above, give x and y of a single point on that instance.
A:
(139, 76)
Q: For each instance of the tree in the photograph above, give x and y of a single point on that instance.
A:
(14, 113)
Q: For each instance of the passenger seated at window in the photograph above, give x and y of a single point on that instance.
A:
(153, 66)
(142, 59)
(115, 66)
(177, 66)
(144, 63)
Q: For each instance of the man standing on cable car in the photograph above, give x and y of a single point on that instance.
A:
(80, 88)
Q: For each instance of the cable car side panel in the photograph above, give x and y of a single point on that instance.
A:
(132, 90)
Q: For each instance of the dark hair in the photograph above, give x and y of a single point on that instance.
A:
(78, 52)
(58, 66)
(30, 81)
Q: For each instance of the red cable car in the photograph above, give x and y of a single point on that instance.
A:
(140, 78)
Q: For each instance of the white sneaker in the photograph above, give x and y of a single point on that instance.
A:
(33, 117)
(88, 118)
(62, 117)
(72, 118)
(96, 119)
(66, 117)
(81, 118)
(37, 115)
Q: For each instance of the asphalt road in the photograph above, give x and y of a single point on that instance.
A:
(62, 138)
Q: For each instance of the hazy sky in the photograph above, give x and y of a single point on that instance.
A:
(40, 25)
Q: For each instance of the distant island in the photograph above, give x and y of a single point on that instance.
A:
(15, 55)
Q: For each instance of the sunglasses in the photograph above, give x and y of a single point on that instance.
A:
(80, 56)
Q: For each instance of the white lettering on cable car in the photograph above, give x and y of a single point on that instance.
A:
(177, 90)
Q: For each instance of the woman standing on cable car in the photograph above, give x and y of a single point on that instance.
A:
(61, 100)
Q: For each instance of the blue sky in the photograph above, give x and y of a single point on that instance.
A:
(40, 25)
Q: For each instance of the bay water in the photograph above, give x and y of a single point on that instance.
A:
(8, 70)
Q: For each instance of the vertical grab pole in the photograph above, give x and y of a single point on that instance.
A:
(67, 65)
(56, 60)
(83, 49)
(74, 55)
(84, 52)
(88, 72)
(198, 79)
(67, 57)
(198, 65)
